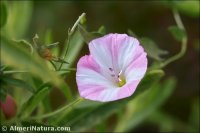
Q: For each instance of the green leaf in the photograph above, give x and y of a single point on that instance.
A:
(24, 43)
(169, 123)
(81, 119)
(13, 72)
(153, 51)
(3, 93)
(75, 46)
(3, 14)
(18, 19)
(151, 100)
(88, 36)
(53, 45)
(17, 82)
(102, 30)
(17, 57)
(33, 101)
(190, 8)
(177, 33)
(83, 20)
(48, 37)
(131, 33)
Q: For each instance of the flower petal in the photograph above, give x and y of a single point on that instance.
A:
(112, 57)
(137, 68)
(128, 89)
(114, 51)
(90, 79)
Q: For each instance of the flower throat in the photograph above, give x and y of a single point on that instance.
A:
(119, 79)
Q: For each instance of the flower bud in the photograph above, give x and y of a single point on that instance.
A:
(8, 107)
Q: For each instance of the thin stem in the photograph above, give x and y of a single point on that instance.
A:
(69, 69)
(183, 42)
(70, 32)
(76, 23)
(67, 48)
(12, 72)
(35, 38)
(178, 19)
(53, 65)
(59, 110)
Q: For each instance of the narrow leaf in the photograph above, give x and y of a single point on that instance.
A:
(33, 101)
(3, 93)
(88, 36)
(75, 46)
(177, 33)
(17, 82)
(3, 14)
(102, 30)
(153, 51)
(152, 99)
(24, 43)
(19, 16)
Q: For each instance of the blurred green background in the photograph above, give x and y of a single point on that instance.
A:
(150, 19)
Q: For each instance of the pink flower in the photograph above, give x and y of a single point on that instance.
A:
(113, 70)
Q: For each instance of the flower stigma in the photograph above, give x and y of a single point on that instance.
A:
(120, 80)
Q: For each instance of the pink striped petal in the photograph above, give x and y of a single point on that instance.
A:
(137, 68)
(113, 59)
(90, 79)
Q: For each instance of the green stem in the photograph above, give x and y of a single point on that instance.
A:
(68, 69)
(183, 42)
(77, 21)
(53, 65)
(35, 38)
(70, 32)
(12, 72)
(67, 48)
(58, 111)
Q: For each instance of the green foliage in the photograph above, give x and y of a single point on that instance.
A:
(152, 49)
(88, 36)
(24, 43)
(142, 106)
(18, 19)
(177, 33)
(16, 82)
(3, 14)
(3, 93)
(102, 30)
(23, 60)
(33, 101)
(190, 8)
(75, 46)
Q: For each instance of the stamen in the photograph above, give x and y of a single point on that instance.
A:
(119, 79)
(120, 73)
(112, 75)
(110, 69)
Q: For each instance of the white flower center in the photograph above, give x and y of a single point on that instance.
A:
(118, 78)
